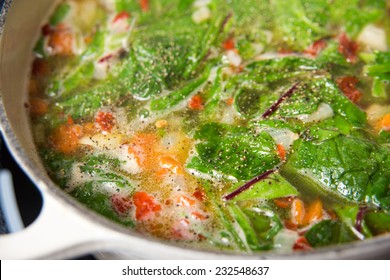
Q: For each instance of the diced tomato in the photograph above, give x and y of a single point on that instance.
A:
(121, 204)
(228, 44)
(348, 48)
(348, 86)
(61, 40)
(185, 201)
(121, 16)
(281, 151)
(384, 123)
(38, 107)
(145, 206)
(65, 138)
(301, 244)
(298, 212)
(314, 212)
(105, 120)
(144, 5)
(315, 48)
(283, 202)
(196, 103)
(199, 195)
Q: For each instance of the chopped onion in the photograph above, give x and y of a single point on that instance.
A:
(234, 58)
(201, 3)
(283, 136)
(201, 14)
(324, 111)
(373, 37)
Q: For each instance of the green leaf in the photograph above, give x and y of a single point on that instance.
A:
(59, 14)
(328, 232)
(235, 151)
(273, 187)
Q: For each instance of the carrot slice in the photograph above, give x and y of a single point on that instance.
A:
(199, 194)
(65, 138)
(384, 123)
(141, 147)
(314, 212)
(61, 40)
(298, 212)
(199, 216)
(283, 202)
(281, 152)
(145, 206)
(185, 201)
(168, 162)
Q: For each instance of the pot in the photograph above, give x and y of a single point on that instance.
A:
(66, 228)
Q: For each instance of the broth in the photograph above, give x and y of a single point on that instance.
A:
(227, 125)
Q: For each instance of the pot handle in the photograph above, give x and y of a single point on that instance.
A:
(58, 232)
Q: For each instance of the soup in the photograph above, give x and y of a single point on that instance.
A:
(242, 126)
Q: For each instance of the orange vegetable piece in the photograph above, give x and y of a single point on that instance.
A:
(283, 202)
(185, 201)
(61, 40)
(144, 5)
(228, 44)
(168, 162)
(199, 216)
(145, 206)
(384, 123)
(105, 120)
(196, 103)
(230, 101)
(65, 138)
(281, 151)
(141, 146)
(298, 212)
(38, 107)
(40, 68)
(314, 212)
(348, 86)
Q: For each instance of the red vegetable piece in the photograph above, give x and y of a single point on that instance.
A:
(348, 86)
(196, 103)
(120, 16)
(301, 244)
(228, 44)
(144, 5)
(348, 48)
(315, 48)
(145, 206)
(105, 120)
(121, 204)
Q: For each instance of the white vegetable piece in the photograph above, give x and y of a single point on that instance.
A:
(201, 14)
(324, 111)
(373, 37)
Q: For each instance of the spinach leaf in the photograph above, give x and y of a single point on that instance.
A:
(100, 203)
(233, 151)
(274, 186)
(342, 167)
(329, 232)
(379, 69)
